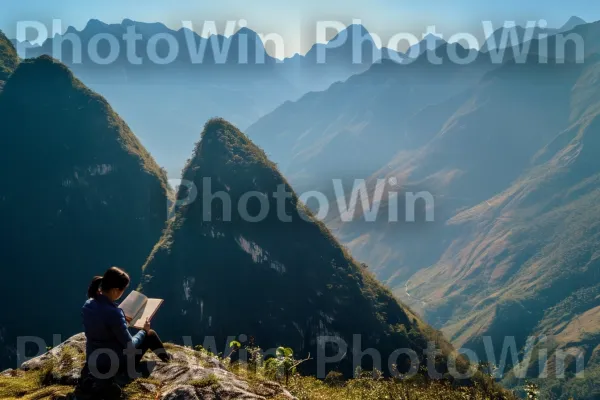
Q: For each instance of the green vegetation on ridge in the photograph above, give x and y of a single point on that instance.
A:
(8, 57)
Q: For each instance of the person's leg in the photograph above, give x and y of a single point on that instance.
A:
(153, 343)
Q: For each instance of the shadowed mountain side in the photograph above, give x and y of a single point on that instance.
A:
(80, 194)
(278, 282)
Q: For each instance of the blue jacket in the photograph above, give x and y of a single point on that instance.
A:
(106, 327)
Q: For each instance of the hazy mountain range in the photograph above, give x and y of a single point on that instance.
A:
(503, 150)
(241, 89)
(240, 86)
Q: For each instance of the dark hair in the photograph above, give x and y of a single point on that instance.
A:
(114, 278)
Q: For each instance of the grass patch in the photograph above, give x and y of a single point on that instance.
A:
(309, 388)
(20, 384)
(50, 393)
(211, 380)
(30, 385)
(68, 359)
(142, 389)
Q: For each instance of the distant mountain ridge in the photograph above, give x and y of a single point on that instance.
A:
(147, 95)
(327, 63)
(572, 23)
(320, 136)
(241, 92)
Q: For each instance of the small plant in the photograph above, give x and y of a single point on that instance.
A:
(255, 357)
(283, 365)
(235, 346)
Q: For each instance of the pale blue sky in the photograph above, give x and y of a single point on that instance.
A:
(295, 19)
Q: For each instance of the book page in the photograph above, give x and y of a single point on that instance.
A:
(132, 305)
(148, 311)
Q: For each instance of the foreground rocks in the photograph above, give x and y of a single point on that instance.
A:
(191, 375)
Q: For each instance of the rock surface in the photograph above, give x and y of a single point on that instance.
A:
(191, 375)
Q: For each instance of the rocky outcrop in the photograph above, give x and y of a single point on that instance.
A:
(191, 375)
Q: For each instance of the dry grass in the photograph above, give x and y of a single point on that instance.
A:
(368, 387)
(142, 389)
(306, 388)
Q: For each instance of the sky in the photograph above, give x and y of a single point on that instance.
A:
(295, 20)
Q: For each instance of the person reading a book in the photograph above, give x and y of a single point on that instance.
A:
(107, 330)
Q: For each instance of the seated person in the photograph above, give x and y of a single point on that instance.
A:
(110, 348)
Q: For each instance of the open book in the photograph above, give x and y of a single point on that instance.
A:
(139, 308)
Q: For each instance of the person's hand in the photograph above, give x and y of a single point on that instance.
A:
(128, 319)
(147, 325)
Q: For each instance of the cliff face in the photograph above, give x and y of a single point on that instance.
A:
(79, 194)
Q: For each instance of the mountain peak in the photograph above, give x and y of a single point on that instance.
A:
(44, 72)
(95, 24)
(573, 22)
(219, 127)
(302, 280)
(223, 143)
(430, 42)
(146, 28)
(357, 28)
(53, 83)
(433, 38)
(250, 34)
(350, 31)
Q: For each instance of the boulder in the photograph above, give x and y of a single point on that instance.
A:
(190, 375)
